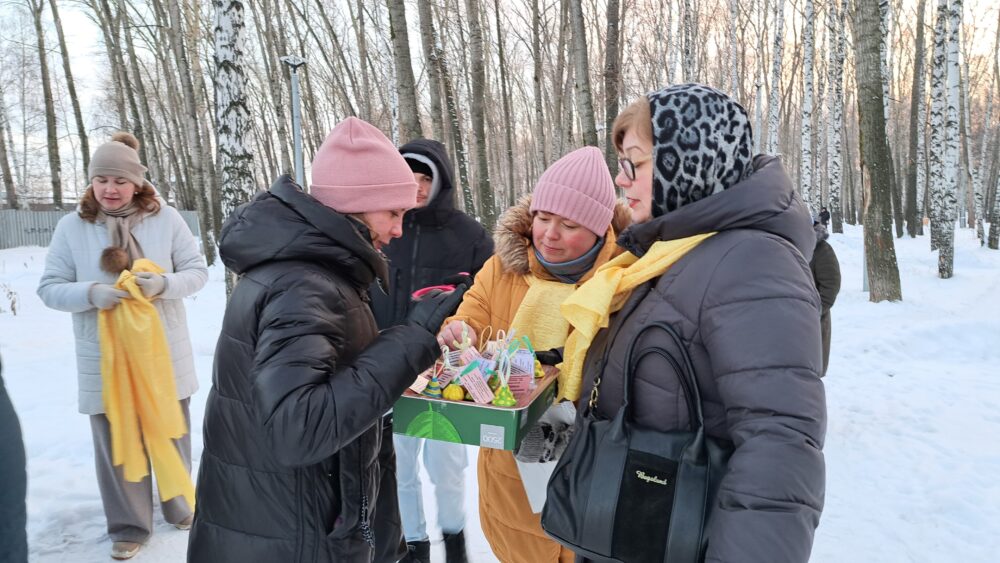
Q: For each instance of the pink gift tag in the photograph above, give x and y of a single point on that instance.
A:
(419, 384)
(523, 361)
(445, 377)
(476, 385)
(521, 385)
(468, 356)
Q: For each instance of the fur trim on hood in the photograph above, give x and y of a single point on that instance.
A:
(512, 234)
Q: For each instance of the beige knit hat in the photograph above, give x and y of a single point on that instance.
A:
(118, 157)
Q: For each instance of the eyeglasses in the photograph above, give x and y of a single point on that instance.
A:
(628, 165)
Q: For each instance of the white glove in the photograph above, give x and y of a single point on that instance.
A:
(104, 296)
(150, 283)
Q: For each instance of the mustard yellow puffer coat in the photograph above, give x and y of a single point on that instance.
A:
(512, 529)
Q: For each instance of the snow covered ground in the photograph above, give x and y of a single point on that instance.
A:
(912, 445)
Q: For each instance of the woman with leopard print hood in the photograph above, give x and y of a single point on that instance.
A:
(739, 292)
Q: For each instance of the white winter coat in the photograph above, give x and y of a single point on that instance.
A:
(73, 265)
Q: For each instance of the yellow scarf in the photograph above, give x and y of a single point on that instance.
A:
(139, 392)
(590, 307)
(538, 315)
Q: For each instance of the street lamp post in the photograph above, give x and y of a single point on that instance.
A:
(294, 62)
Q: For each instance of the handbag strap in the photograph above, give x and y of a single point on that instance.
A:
(684, 369)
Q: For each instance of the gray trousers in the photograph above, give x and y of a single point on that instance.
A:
(128, 507)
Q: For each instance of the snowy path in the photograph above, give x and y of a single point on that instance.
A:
(913, 392)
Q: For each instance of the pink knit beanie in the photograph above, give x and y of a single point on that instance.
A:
(357, 170)
(578, 187)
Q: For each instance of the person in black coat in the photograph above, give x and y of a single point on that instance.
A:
(439, 243)
(302, 376)
(13, 484)
(826, 273)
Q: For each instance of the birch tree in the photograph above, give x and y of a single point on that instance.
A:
(235, 163)
(876, 161)
(774, 102)
(914, 168)
(835, 108)
(949, 204)
(805, 164)
(939, 103)
(406, 89)
(52, 138)
(612, 76)
(478, 110)
(584, 99)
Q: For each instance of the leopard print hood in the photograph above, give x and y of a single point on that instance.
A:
(702, 143)
(512, 235)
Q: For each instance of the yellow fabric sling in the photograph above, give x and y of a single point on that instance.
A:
(590, 307)
(139, 392)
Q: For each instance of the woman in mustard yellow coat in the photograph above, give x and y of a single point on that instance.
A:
(546, 245)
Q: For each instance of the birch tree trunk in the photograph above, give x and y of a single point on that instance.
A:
(5, 169)
(235, 163)
(487, 205)
(774, 102)
(884, 65)
(977, 173)
(914, 171)
(835, 107)
(232, 110)
(946, 252)
(81, 128)
(805, 163)
(584, 99)
(433, 68)
(52, 137)
(612, 76)
(734, 50)
(406, 90)
(194, 141)
(505, 96)
(939, 104)
(366, 104)
(876, 161)
(993, 241)
(542, 148)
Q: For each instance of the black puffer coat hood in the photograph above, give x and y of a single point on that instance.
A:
(438, 241)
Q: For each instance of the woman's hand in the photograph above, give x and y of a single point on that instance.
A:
(104, 296)
(452, 333)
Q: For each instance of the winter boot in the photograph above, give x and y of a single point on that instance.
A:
(124, 549)
(185, 524)
(417, 552)
(454, 548)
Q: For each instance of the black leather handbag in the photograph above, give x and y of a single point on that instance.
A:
(625, 493)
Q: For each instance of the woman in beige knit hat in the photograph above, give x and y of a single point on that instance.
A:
(121, 219)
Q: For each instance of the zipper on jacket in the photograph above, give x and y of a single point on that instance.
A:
(413, 262)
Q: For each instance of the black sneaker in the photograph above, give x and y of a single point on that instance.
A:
(417, 552)
(454, 548)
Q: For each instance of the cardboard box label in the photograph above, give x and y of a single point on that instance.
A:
(491, 436)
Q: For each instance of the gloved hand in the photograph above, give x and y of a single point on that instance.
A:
(434, 307)
(151, 283)
(547, 439)
(550, 357)
(458, 279)
(104, 296)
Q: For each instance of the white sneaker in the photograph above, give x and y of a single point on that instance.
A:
(124, 549)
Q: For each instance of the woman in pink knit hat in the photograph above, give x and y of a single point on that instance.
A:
(302, 375)
(546, 245)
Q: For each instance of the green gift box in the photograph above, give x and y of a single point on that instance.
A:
(466, 422)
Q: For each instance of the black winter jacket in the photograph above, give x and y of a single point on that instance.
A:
(289, 469)
(745, 306)
(438, 241)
